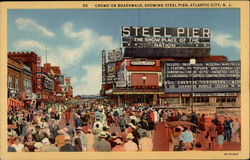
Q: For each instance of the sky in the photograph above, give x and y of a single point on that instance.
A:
(76, 37)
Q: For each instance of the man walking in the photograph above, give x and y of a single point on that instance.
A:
(102, 145)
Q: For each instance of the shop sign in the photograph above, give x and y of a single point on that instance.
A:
(142, 63)
(120, 83)
(185, 95)
(214, 94)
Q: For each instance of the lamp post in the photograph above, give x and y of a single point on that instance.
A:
(144, 80)
(192, 63)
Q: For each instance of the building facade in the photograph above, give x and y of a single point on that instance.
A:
(33, 83)
(155, 69)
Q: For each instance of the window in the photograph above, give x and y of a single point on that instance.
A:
(173, 100)
(9, 81)
(201, 99)
(185, 100)
(225, 99)
(27, 85)
(17, 83)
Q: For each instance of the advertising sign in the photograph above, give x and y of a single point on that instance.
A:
(207, 77)
(103, 66)
(160, 42)
(110, 69)
(142, 63)
(114, 55)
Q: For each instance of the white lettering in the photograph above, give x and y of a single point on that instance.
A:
(156, 30)
(180, 31)
(206, 32)
(125, 31)
(195, 32)
(145, 31)
(136, 30)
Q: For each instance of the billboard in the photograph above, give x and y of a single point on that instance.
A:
(207, 77)
(109, 59)
(114, 55)
(103, 66)
(161, 42)
(111, 72)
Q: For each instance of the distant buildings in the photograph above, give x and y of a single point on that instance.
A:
(30, 83)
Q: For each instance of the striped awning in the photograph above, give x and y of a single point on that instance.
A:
(15, 102)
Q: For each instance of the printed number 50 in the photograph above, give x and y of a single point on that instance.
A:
(85, 5)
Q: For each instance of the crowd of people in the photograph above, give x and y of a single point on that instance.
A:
(96, 125)
(214, 131)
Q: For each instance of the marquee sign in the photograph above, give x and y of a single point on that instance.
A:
(160, 42)
(142, 63)
(207, 77)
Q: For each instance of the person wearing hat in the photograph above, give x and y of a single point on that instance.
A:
(130, 145)
(129, 128)
(112, 139)
(51, 147)
(145, 143)
(37, 135)
(69, 130)
(187, 137)
(98, 122)
(96, 130)
(38, 146)
(60, 139)
(78, 145)
(78, 121)
(67, 147)
(119, 146)
(102, 145)
(67, 115)
(80, 134)
(45, 143)
(122, 121)
(107, 130)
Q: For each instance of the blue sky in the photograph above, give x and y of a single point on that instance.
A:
(76, 37)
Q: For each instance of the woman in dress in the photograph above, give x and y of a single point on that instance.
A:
(29, 142)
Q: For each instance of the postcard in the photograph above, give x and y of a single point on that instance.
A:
(124, 80)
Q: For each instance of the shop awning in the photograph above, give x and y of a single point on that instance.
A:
(15, 102)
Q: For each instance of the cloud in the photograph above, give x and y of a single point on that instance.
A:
(27, 24)
(89, 84)
(68, 57)
(30, 45)
(225, 40)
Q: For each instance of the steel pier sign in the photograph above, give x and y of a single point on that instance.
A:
(161, 42)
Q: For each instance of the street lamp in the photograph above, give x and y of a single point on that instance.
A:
(192, 63)
(144, 80)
